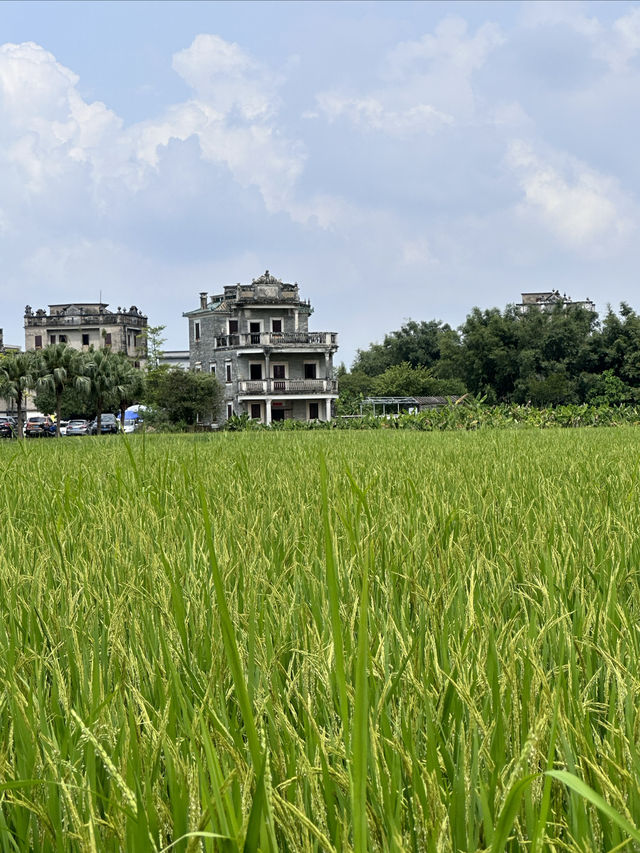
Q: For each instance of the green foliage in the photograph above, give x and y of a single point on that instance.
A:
(420, 344)
(403, 380)
(74, 403)
(18, 374)
(309, 641)
(150, 348)
(466, 414)
(555, 357)
(60, 367)
(183, 397)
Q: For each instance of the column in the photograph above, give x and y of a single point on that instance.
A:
(328, 408)
(267, 409)
(267, 368)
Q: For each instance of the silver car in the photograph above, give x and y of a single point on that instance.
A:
(77, 427)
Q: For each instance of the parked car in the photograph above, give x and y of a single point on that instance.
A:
(7, 428)
(77, 427)
(39, 427)
(108, 424)
(131, 424)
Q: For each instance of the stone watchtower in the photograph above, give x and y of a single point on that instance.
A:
(255, 338)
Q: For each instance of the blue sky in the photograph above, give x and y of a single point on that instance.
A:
(398, 160)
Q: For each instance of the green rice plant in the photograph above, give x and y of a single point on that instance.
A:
(325, 640)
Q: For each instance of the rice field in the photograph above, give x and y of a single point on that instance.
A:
(321, 641)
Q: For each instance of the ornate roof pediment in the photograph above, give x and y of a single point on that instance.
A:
(266, 278)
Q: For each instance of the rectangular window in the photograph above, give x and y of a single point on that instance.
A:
(38, 341)
(227, 369)
(85, 340)
(276, 327)
(254, 331)
(310, 370)
(53, 339)
(198, 366)
(313, 411)
(256, 411)
(63, 339)
(212, 368)
(255, 372)
(196, 331)
(278, 371)
(229, 410)
(107, 339)
(233, 327)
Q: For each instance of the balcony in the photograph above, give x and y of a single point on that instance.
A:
(260, 387)
(278, 339)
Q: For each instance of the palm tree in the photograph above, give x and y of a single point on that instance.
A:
(128, 384)
(17, 377)
(62, 367)
(101, 370)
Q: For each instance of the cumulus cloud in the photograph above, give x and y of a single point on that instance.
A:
(450, 46)
(424, 84)
(616, 44)
(227, 78)
(50, 131)
(585, 210)
(370, 114)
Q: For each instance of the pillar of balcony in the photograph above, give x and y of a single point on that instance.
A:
(267, 411)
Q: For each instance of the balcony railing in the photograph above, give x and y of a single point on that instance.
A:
(287, 386)
(277, 339)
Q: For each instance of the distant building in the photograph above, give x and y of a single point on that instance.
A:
(85, 324)
(256, 339)
(547, 301)
(175, 358)
(4, 348)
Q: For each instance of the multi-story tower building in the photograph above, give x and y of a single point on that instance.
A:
(547, 300)
(256, 339)
(85, 324)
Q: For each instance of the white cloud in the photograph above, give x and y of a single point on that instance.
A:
(424, 85)
(586, 211)
(227, 78)
(370, 114)
(50, 132)
(616, 45)
(450, 46)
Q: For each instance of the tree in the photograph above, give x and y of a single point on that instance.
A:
(184, 396)
(17, 377)
(128, 385)
(417, 343)
(75, 403)
(402, 380)
(61, 367)
(100, 369)
(151, 345)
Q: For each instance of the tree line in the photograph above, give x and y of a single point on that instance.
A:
(565, 355)
(74, 384)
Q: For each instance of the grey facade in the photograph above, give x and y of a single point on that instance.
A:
(256, 339)
(85, 324)
(547, 300)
